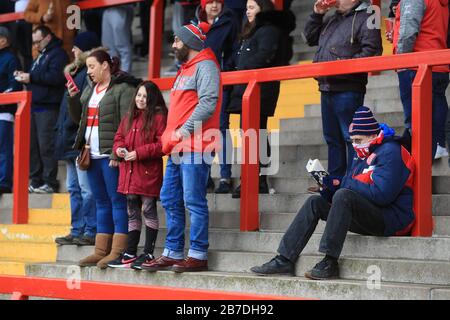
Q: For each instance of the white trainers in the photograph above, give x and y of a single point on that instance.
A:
(440, 152)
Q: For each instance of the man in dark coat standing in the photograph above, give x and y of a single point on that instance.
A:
(342, 35)
(46, 82)
(8, 64)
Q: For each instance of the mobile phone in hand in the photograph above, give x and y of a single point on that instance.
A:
(71, 81)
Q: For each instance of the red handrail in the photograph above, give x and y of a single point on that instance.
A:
(23, 287)
(421, 130)
(156, 23)
(21, 152)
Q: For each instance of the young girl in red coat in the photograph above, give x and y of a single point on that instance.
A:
(138, 144)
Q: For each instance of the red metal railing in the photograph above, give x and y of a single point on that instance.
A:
(21, 152)
(156, 27)
(421, 117)
(23, 287)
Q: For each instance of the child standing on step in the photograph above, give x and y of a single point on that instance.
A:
(138, 144)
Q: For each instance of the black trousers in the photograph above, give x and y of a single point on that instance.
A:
(43, 163)
(349, 211)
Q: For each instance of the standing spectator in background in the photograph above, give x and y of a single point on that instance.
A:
(265, 43)
(422, 25)
(182, 14)
(238, 7)
(222, 39)
(82, 204)
(23, 30)
(8, 64)
(342, 35)
(195, 99)
(46, 82)
(116, 34)
(99, 110)
(93, 20)
(52, 14)
(393, 8)
(138, 144)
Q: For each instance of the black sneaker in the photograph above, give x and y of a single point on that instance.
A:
(263, 186)
(66, 240)
(210, 187)
(224, 186)
(85, 241)
(145, 257)
(328, 268)
(123, 261)
(236, 193)
(45, 189)
(4, 190)
(277, 266)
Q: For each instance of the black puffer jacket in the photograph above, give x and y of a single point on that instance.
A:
(343, 36)
(269, 45)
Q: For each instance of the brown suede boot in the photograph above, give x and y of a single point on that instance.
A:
(119, 245)
(102, 249)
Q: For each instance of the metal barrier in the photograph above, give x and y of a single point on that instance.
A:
(21, 152)
(421, 121)
(22, 288)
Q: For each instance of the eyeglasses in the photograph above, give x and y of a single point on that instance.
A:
(36, 43)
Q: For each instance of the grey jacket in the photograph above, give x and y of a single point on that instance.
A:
(343, 36)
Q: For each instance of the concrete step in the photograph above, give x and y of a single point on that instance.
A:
(351, 268)
(56, 217)
(13, 268)
(32, 233)
(356, 246)
(393, 119)
(243, 282)
(28, 251)
(307, 138)
(381, 105)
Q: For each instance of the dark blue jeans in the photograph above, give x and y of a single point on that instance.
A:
(82, 204)
(112, 216)
(439, 103)
(184, 186)
(6, 153)
(337, 114)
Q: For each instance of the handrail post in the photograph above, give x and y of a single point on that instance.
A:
(18, 296)
(250, 170)
(155, 41)
(21, 161)
(421, 151)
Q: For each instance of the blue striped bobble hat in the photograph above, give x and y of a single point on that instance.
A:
(364, 123)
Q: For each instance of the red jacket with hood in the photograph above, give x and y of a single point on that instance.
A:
(196, 97)
(421, 25)
(144, 175)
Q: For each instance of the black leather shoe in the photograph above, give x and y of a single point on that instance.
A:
(210, 187)
(66, 240)
(85, 241)
(277, 266)
(326, 269)
(236, 193)
(224, 187)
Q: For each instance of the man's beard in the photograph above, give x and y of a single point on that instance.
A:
(182, 54)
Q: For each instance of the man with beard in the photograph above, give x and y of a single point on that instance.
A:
(195, 102)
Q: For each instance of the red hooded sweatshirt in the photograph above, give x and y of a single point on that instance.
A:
(195, 98)
(431, 32)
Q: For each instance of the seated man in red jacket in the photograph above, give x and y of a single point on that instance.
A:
(375, 198)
